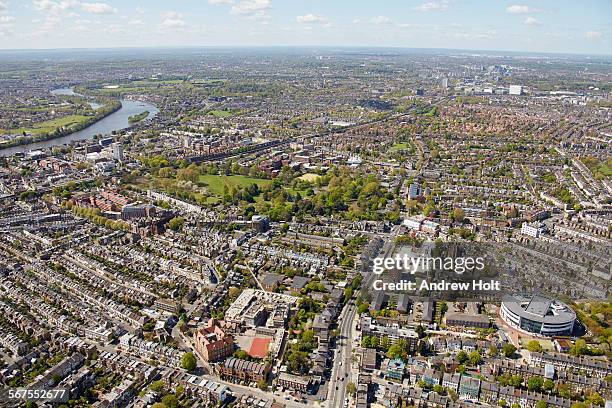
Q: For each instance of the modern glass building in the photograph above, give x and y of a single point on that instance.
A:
(538, 315)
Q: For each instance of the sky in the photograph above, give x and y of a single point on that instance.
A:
(557, 26)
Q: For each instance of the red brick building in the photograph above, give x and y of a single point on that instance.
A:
(212, 343)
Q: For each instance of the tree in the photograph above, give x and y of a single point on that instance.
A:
(534, 346)
(548, 385)
(428, 210)
(516, 380)
(351, 388)
(541, 404)
(508, 350)
(190, 173)
(189, 362)
(443, 309)
(348, 293)
(157, 386)
(411, 206)
(398, 350)
(170, 401)
(439, 389)
(475, 358)
(502, 403)
(365, 342)
(535, 383)
(493, 351)
(308, 338)
(596, 399)
(374, 342)
(453, 394)
(458, 214)
(262, 385)
(420, 330)
(242, 355)
(424, 385)
(515, 405)
(363, 308)
(385, 343)
(176, 223)
(462, 357)
(579, 348)
(165, 172)
(564, 390)
(298, 362)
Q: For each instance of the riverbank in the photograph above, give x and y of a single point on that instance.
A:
(109, 107)
(114, 122)
(139, 117)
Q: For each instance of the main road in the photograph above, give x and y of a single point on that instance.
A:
(341, 370)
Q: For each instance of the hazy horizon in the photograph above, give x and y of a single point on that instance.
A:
(543, 26)
(381, 48)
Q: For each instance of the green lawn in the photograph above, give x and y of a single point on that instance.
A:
(220, 113)
(141, 85)
(113, 91)
(155, 82)
(51, 125)
(399, 146)
(216, 182)
(310, 177)
(545, 343)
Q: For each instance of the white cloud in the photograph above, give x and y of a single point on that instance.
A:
(356, 21)
(172, 19)
(3, 5)
(50, 23)
(98, 8)
(215, 2)
(593, 35)
(521, 9)
(135, 22)
(6, 25)
(532, 21)
(433, 6)
(55, 6)
(251, 8)
(380, 20)
(140, 10)
(311, 19)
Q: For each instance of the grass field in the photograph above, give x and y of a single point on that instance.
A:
(220, 113)
(154, 82)
(309, 177)
(399, 146)
(51, 125)
(113, 91)
(545, 343)
(142, 84)
(216, 182)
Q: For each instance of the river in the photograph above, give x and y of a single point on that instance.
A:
(117, 120)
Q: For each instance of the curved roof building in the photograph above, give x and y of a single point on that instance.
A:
(538, 314)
